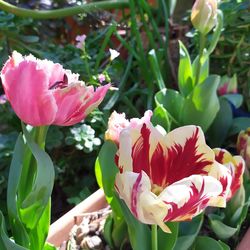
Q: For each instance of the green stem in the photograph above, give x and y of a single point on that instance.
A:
(63, 12)
(154, 237)
(201, 50)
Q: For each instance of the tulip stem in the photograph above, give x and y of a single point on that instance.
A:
(63, 12)
(201, 50)
(154, 237)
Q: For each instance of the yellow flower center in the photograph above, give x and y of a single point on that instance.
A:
(156, 189)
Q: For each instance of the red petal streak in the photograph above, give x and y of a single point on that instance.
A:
(196, 203)
(236, 181)
(224, 182)
(219, 157)
(140, 152)
(184, 161)
(134, 195)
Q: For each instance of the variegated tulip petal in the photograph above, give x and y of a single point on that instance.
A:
(187, 154)
(189, 197)
(135, 190)
(223, 175)
(235, 165)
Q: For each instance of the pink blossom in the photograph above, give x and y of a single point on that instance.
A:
(80, 41)
(43, 93)
(101, 78)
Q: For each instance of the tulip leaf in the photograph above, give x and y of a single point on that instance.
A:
(188, 232)
(36, 202)
(156, 69)
(48, 246)
(235, 99)
(5, 242)
(185, 72)
(240, 123)
(221, 230)
(173, 102)
(206, 243)
(161, 117)
(223, 245)
(221, 125)
(139, 233)
(106, 171)
(167, 241)
(204, 70)
(201, 106)
(19, 233)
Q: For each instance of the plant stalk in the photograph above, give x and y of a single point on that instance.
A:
(201, 51)
(63, 12)
(154, 237)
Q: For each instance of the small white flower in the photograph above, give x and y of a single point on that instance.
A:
(113, 54)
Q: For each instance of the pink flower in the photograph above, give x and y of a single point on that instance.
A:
(170, 177)
(80, 41)
(43, 93)
(228, 85)
(101, 78)
(243, 146)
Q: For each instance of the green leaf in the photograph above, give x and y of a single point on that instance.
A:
(139, 233)
(29, 39)
(240, 123)
(167, 241)
(48, 246)
(188, 232)
(173, 102)
(108, 227)
(36, 202)
(235, 99)
(206, 243)
(19, 233)
(223, 245)
(204, 70)
(221, 125)
(5, 242)
(156, 69)
(201, 107)
(161, 117)
(221, 230)
(185, 72)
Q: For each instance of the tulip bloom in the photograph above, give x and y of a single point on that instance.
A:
(228, 85)
(43, 93)
(243, 146)
(169, 177)
(204, 15)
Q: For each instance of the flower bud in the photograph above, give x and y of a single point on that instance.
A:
(243, 146)
(228, 85)
(204, 15)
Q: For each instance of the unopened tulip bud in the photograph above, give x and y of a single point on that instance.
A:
(228, 85)
(204, 15)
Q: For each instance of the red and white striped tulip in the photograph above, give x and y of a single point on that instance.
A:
(169, 177)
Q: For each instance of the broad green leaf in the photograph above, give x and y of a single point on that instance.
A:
(139, 233)
(223, 245)
(155, 68)
(240, 123)
(185, 72)
(206, 243)
(201, 106)
(167, 241)
(173, 102)
(5, 242)
(98, 173)
(221, 230)
(235, 99)
(221, 125)
(107, 232)
(204, 70)
(19, 233)
(188, 232)
(36, 201)
(161, 117)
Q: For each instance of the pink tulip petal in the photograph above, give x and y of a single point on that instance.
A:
(25, 86)
(87, 105)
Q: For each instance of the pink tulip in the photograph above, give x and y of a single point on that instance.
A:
(43, 93)
(169, 177)
(243, 146)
